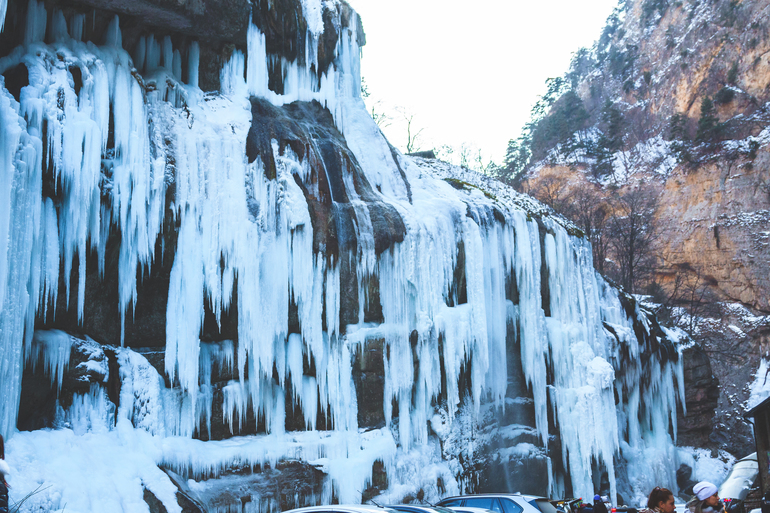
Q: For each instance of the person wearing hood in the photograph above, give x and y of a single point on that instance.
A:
(5, 470)
(599, 506)
(706, 499)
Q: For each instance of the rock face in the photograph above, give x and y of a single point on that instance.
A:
(722, 214)
(713, 208)
(701, 399)
(656, 64)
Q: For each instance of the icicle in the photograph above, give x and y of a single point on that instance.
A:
(113, 36)
(194, 55)
(59, 31)
(53, 348)
(89, 413)
(153, 54)
(21, 183)
(36, 22)
(3, 8)
(168, 53)
(77, 23)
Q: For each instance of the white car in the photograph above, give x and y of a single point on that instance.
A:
(421, 508)
(500, 503)
(463, 509)
(742, 477)
(343, 508)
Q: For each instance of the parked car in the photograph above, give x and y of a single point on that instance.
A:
(343, 508)
(469, 509)
(414, 508)
(501, 503)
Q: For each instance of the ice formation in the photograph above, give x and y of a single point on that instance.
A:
(580, 346)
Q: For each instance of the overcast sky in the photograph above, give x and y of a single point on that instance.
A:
(469, 72)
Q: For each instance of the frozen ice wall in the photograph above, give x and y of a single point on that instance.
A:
(287, 205)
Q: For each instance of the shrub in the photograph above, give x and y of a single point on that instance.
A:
(753, 149)
(732, 74)
(709, 127)
(652, 7)
(724, 96)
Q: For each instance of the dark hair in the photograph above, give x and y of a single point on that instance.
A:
(658, 495)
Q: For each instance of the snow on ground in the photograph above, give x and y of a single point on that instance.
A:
(492, 188)
(706, 466)
(65, 471)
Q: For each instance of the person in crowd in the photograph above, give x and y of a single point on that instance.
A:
(661, 500)
(585, 507)
(599, 506)
(5, 470)
(706, 499)
(766, 503)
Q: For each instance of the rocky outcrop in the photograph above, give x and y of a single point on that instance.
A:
(657, 65)
(715, 219)
(656, 60)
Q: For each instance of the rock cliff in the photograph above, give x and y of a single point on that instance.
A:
(676, 98)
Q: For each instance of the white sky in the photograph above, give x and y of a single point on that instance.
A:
(470, 72)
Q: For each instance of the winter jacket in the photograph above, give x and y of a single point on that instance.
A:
(600, 507)
(695, 505)
(5, 470)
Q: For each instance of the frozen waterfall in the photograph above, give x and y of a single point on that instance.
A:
(103, 145)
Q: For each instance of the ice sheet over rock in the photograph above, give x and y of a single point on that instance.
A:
(245, 238)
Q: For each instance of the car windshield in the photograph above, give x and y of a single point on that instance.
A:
(490, 503)
(544, 505)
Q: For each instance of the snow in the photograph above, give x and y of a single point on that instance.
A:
(705, 465)
(236, 223)
(760, 387)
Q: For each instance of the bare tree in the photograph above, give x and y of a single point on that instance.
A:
(378, 108)
(413, 133)
(632, 231)
(379, 116)
(551, 190)
(586, 205)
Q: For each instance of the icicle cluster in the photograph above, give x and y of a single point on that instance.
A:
(236, 224)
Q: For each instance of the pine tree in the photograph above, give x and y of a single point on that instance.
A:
(709, 127)
(610, 141)
(680, 139)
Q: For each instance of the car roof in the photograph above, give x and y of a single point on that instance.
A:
(415, 507)
(343, 508)
(525, 497)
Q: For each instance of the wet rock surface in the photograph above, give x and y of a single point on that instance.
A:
(701, 398)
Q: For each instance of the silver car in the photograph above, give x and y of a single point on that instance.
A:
(501, 503)
(343, 508)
